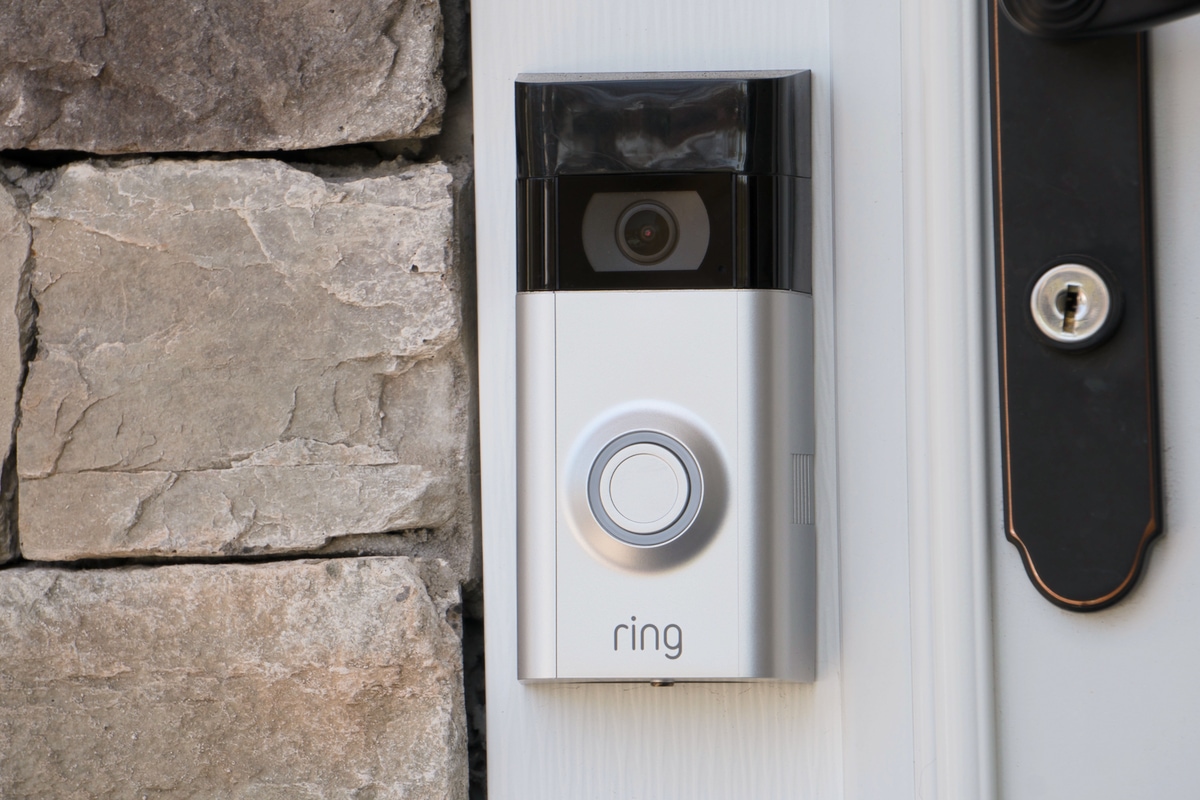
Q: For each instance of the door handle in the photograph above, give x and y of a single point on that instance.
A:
(1075, 292)
(1075, 18)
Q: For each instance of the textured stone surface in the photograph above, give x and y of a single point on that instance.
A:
(14, 252)
(297, 679)
(226, 75)
(240, 357)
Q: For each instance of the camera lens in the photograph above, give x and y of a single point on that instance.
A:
(646, 232)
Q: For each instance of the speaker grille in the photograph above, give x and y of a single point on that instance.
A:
(802, 489)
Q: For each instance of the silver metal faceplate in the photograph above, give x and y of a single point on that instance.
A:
(728, 374)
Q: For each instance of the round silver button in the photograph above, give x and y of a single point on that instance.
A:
(644, 488)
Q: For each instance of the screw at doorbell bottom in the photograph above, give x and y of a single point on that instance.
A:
(1072, 305)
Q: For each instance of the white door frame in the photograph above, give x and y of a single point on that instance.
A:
(902, 706)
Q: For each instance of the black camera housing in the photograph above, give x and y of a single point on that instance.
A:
(736, 142)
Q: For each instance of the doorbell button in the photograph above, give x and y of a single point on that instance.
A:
(644, 488)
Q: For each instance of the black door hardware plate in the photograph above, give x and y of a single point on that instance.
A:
(1079, 394)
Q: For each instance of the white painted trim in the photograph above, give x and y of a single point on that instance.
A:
(896, 556)
(871, 464)
(945, 300)
(761, 741)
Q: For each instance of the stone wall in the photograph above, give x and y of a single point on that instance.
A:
(238, 513)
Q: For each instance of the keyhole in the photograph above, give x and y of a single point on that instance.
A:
(1067, 303)
(1071, 304)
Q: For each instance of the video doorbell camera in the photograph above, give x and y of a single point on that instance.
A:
(665, 378)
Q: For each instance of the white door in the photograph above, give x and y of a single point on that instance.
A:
(1106, 705)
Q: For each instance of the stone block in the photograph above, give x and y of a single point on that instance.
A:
(240, 357)
(336, 678)
(14, 312)
(217, 75)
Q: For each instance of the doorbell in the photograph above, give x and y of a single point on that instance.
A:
(665, 524)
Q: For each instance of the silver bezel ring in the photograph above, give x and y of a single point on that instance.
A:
(695, 488)
(690, 440)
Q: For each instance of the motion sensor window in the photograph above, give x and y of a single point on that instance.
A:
(665, 381)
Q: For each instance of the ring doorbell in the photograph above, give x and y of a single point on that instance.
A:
(665, 378)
